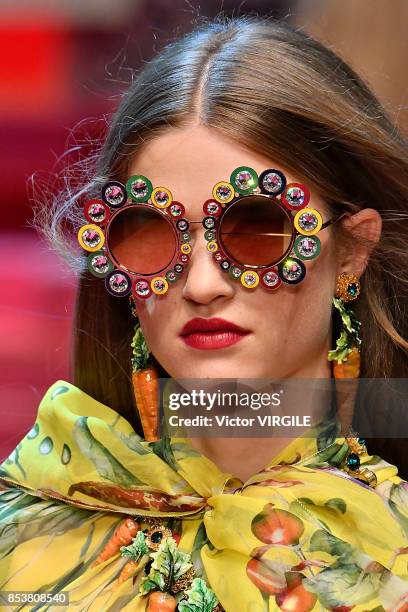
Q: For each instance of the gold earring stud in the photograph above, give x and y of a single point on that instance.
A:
(348, 287)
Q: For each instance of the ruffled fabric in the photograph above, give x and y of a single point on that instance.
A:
(299, 535)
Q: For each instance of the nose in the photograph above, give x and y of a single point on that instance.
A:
(205, 281)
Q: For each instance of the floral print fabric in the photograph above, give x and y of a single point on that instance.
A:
(300, 535)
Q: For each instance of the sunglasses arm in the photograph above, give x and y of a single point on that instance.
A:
(335, 219)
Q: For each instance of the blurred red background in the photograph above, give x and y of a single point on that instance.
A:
(63, 65)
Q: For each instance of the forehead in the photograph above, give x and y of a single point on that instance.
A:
(190, 160)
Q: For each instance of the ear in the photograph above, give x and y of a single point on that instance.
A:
(367, 224)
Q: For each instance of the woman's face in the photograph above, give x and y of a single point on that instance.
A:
(287, 332)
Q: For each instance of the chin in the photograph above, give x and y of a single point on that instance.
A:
(213, 370)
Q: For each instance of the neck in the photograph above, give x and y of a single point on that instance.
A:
(241, 457)
(244, 457)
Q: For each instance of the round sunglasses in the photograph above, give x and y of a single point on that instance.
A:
(259, 229)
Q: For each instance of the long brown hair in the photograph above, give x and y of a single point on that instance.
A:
(272, 87)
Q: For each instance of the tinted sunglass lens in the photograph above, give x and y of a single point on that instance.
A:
(256, 231)
(141, 239)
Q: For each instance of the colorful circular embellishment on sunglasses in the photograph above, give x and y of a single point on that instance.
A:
(209, 235)
(244, 179)
(308, 221)
(159, 285)
(225, 264)
(235, 272)
(118, 283)
(99, 264)
(185, 248)
(223, 192)
(272, 182)
(182, 225)
(171, 276)
(176, 209)
(91, 237)
(250, 279)
(161, 197)
(212, 246)
(218, 256)
(114, 194)
(270, 279)
(307, 247)
(139, 188)
(212, 207)
(208, 222)
(96, 211)
(295, 196)
(141, 288)
(178, 268)
(292, 270)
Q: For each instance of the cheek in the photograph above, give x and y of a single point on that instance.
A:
(312, 302)
(154, 316)
(296, 319)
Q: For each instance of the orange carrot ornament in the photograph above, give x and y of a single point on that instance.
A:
(346, 355)
(350, 368)
(128, 570)
(145, 386)
(123, 535)
(138, 552)
(161, 602)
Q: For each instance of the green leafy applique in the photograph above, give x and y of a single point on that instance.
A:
(140, 352)
(200, 598)
(169, 564)
(137, 548)
(349, 335)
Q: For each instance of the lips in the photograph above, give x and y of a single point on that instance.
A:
(212, 333)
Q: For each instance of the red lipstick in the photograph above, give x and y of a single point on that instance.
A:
(209, 334)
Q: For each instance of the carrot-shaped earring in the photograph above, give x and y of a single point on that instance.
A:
(145, 385)
(346, 359)
(346, 355)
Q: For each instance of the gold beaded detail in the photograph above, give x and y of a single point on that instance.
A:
(351, 464)
(184, 581)
(151, 536)
(348, 287)
(355, 445)
(367, 476)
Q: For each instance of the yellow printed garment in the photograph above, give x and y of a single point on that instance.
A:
(299, 535)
